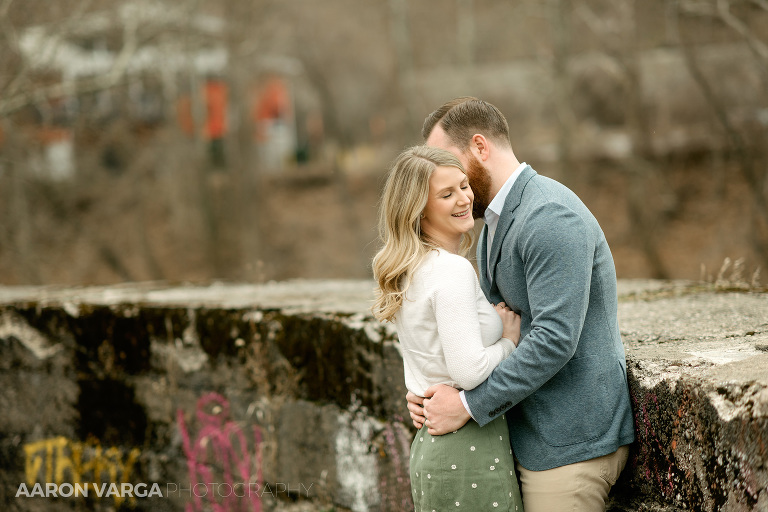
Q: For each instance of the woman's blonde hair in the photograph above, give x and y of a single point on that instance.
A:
(404, 244)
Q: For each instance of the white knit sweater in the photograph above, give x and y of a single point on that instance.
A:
(449, 333)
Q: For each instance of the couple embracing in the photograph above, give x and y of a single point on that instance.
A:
(517, 382)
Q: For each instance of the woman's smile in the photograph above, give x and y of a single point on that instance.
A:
(450, 199)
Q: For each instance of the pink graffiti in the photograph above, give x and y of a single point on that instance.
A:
(219, 455)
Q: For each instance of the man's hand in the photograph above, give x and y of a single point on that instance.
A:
(416, 409)
(443, 409)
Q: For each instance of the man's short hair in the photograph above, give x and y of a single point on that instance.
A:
(461, 118)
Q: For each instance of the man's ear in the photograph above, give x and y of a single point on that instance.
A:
(480, 147)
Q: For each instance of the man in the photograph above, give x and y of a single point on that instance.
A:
(564, 390)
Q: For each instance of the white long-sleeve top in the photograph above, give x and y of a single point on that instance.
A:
(449, 333)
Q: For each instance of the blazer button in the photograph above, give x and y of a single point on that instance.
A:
(490, 414)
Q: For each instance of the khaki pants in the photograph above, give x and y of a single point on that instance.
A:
(579, 487)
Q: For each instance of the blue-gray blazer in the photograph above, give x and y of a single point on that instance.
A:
(565, 387)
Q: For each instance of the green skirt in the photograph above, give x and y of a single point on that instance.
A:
(472, 469)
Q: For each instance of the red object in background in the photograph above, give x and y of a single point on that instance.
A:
(215, 97)
(216, 104)
(273, 103)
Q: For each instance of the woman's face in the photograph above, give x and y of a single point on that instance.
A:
(448, 213)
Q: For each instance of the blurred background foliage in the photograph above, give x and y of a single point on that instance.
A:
(193, 140)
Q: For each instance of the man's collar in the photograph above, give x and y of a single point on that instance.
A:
(497, 203)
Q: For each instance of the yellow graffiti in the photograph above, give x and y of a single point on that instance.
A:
(65, 461)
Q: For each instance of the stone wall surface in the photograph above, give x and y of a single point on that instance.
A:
(289, 396)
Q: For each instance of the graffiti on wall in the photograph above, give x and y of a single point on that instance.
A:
(223, 458)
(59, 460)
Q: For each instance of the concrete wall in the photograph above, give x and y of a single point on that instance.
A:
(293, 390)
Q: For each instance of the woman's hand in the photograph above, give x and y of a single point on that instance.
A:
(510, 322)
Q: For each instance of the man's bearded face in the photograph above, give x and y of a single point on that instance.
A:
(480, 181)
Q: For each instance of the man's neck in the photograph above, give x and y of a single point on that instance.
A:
(505, 164)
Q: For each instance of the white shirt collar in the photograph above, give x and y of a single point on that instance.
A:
(493, 212)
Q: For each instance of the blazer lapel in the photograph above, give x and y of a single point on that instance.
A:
(482, 260)
(507, 216)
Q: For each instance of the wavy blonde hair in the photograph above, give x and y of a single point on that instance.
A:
(404, 244)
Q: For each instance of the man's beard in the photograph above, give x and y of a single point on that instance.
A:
(480, 181)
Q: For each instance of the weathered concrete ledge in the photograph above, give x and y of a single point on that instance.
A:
(294, 389)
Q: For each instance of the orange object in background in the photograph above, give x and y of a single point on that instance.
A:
(216, 106)
(273, 103)
(215, 96)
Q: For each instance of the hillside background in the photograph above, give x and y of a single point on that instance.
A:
(193, 140)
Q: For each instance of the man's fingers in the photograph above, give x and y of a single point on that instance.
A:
(415, 416)
(418, 421)
(413, 398)
(415, 410)
(431, 390)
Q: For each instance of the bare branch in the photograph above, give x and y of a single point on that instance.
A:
(70, 88)
(16, 96)
(48, 51)
(724, 10)
(737, 142)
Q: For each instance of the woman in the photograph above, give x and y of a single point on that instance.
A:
(448, 332)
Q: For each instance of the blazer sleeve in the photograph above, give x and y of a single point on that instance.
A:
(557, 251)
(468, 361)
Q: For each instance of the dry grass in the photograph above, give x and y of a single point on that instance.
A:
(732, 277)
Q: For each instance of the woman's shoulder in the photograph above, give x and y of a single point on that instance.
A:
(444, 261)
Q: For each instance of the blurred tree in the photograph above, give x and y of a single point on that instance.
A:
(66, 70)
(745, 128)
(561, 12)
(105, 129)
(614, 24)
